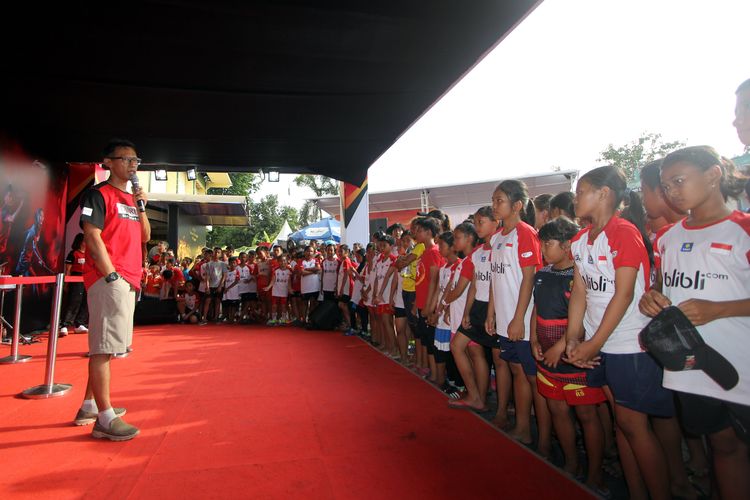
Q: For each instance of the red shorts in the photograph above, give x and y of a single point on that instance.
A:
(567, 387)
(383, 309)
(279, 301)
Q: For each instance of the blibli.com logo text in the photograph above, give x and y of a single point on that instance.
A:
(499, 267)
(695, 281)
(601, 284)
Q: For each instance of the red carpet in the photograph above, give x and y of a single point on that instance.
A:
(250, 412)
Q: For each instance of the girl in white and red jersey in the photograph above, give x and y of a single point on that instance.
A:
(280, 288)
(467, 351)
(442, 324)
(705, 271)
(383, 323)
(330, 266)
(612, 272)
(310, 282)
(230, 282)
(368, 283)
(345, 283)
(395, 297)
(516, 257)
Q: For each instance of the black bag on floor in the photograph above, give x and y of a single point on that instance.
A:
(326, 316)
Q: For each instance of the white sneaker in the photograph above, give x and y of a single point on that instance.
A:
(81, 329)
(63, 330)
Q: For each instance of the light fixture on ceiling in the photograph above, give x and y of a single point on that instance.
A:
(191, 174)
(273, 175)
(160, 175)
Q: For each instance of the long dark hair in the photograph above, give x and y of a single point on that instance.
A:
(77, 241)
(516, 191)
(613, 178)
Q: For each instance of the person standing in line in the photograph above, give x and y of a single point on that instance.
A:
(114, 231)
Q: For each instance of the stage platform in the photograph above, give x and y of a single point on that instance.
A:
(257, 412)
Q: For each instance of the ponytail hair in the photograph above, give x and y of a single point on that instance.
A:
(635, 213)
(516, 191)
(613, 178)
(468, 229)
(732, 183)
(486, 211)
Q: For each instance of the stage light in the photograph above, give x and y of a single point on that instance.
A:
(191, 174)
(273, 175)
(160, 175)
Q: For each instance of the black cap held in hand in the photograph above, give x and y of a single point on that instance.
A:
(675, 343)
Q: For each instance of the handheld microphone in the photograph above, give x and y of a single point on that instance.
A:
(134, 181)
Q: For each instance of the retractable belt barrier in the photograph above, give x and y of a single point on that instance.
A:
(49, 388)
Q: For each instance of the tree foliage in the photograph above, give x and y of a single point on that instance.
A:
(321, 186)
(634, 155)
(243, 184)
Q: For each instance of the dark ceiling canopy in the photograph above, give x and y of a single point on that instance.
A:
(321, 87)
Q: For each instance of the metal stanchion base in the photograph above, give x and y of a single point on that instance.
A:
(46, 391)
(21, 358)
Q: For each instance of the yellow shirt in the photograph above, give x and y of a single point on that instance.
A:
(410, 271)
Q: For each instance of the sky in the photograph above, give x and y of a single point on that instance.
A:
(572, 78)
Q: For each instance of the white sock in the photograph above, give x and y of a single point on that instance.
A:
(106, 417)
(89, 406)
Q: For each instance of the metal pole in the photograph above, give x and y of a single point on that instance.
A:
(14, 357)
(50, 389)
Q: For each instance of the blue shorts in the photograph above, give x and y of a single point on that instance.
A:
(518, 352)
(635, 382)
(443, 339)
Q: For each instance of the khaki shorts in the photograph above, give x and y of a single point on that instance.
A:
(111, 308)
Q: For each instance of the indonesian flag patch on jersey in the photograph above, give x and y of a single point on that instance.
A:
(721, 248)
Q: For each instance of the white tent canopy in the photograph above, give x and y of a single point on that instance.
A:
(284, 232)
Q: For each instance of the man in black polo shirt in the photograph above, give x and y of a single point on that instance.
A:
(114, 231)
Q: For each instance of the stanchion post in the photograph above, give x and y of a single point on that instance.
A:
(14, 357)
(50, 389)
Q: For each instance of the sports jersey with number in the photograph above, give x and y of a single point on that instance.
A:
(247, 280)
(281, 281)
(710, 263)
(618, 245)
(230, 278)
(509, 255)
(311, 282)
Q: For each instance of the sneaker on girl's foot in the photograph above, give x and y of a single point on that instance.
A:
(81, 329)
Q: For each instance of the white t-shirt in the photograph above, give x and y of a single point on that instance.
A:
(369, 283)
(384, 263)
(357, 291)
(213, 270)
(191, 301)
(311, 282)
(510, 254)
(247, 280)
(618, 245)
(281, 280)
(480, 259)
(444, 278)
(330, 274)
(398, 298)
(710, 263)
(231, 277)
(459, 305)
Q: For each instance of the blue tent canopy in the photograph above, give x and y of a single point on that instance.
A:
(324, 229)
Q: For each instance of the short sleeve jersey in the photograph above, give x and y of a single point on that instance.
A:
(711, 263)
(113, 211)
(264, 273)
(246, 280)
(330, 274)
(618, 245)
(344, 277)
(510, 253)
(444, 279)
(76, 259)
(214, 270)
(410, 271)
(480, 264)
(430, 258)
(369, 283)
(230, 278)
(191, 301)
(384, 263)
(310, 282)
(281, 281)
(464, 269)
